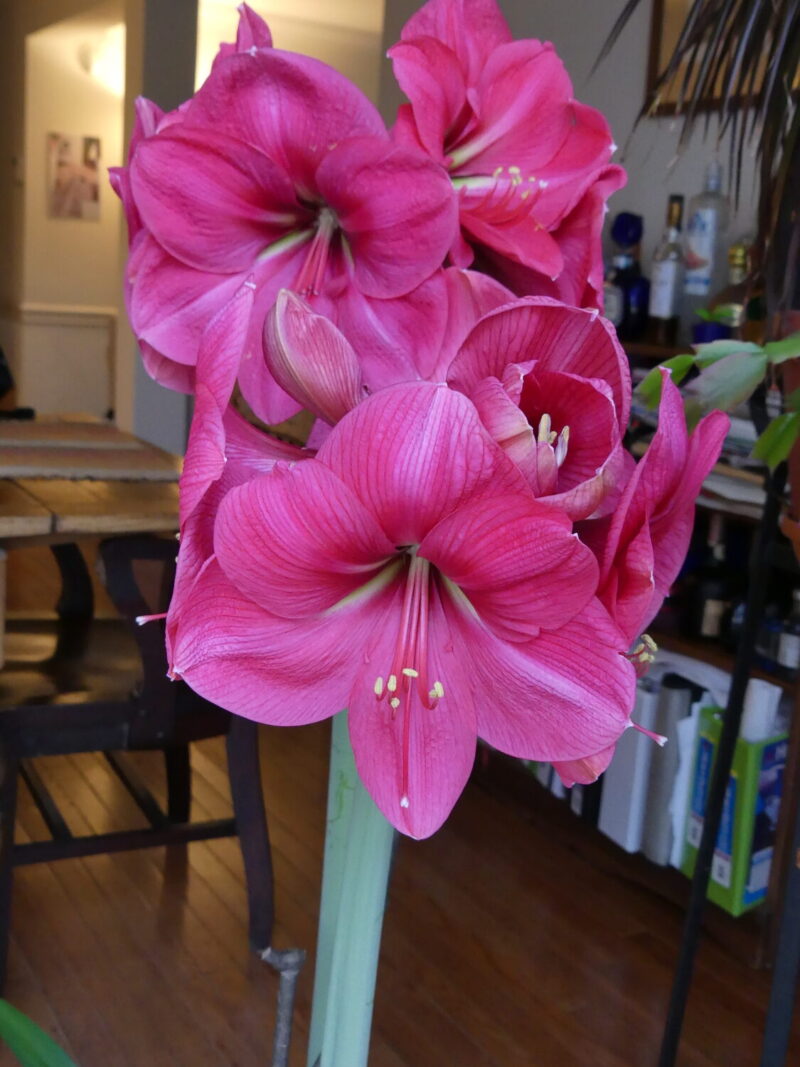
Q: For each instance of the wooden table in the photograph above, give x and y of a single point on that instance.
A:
(66, 479)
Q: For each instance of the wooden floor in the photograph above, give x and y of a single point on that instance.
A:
(502, 945)
(511, 938)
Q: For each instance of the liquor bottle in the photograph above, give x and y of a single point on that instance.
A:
(704, 245)
(626, 232)
(730, 301)
(713, 587)
(613, 302)
(789, 641)
(666, 278)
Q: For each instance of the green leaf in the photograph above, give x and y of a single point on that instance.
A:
(775, 443)
(780, 351)
(727, 314)
(29, 1043)
(714, 350)
(792, 401)
(649, 389)
(728, 381)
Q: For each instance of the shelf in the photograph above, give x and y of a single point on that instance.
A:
(641, 350)
(713, 654)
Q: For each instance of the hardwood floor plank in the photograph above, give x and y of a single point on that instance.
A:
(506, 943)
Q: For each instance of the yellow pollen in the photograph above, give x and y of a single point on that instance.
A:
(391, 685)
(409, 672)
(437, 691)
(378, 687)
(648, 641)
(394, 702)
(497, 172)
(543, 436)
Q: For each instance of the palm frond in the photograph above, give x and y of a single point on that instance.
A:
(739, 61)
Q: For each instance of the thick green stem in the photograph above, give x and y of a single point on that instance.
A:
(358, 852)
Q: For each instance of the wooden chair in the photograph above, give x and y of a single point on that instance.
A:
(109, 693)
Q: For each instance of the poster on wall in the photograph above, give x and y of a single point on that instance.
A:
(73, 177)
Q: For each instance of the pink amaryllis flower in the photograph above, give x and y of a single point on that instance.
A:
(530, 163)
(642, 545)
(407, 573)
(281, 170)
(552, 386)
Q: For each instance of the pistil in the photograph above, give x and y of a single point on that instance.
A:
(409, 667)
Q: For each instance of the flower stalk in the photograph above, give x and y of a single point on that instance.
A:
(358, 852)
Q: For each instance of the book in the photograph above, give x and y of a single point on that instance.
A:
(622, 804)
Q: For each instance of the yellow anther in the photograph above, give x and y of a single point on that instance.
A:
(514, 170)
(543, 436)
(648, 641)
(497, 172)
(409, 672)
(394, 703)
(437, 692)
(391, 685)
(378, 687)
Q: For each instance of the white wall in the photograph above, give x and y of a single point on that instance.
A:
(578, 28)
(68, 261)
(346, 34)
(65, 319)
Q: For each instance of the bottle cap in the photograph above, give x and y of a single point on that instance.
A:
(675, 211)
(760, 710)
(627, 229)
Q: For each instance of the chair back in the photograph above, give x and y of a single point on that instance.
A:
(139, 572)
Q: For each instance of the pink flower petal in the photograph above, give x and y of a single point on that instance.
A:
(397, 209)
(564, 339)
(567, 692)
(585, 770)
(414, 760)
(508, 426)
(429, 73)
(252, 32)
(473, 29)
(310, 542)
(211, 201)
(290, 107)
(239, 656)
(523, 87)
(311, 359)
(516, 560)
(414, 453)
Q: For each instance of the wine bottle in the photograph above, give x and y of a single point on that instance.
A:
(666, 278)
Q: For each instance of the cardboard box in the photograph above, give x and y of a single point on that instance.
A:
(743, 855)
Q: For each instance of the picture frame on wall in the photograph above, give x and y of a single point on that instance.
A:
(73, 177)
(667, 22)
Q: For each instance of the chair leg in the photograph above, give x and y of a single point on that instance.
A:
(8, 812)
(179, 783)
(244, 767)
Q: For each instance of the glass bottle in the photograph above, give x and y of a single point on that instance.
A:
(704, 245)
(666, 278)
(731, 299)
(713, 592)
